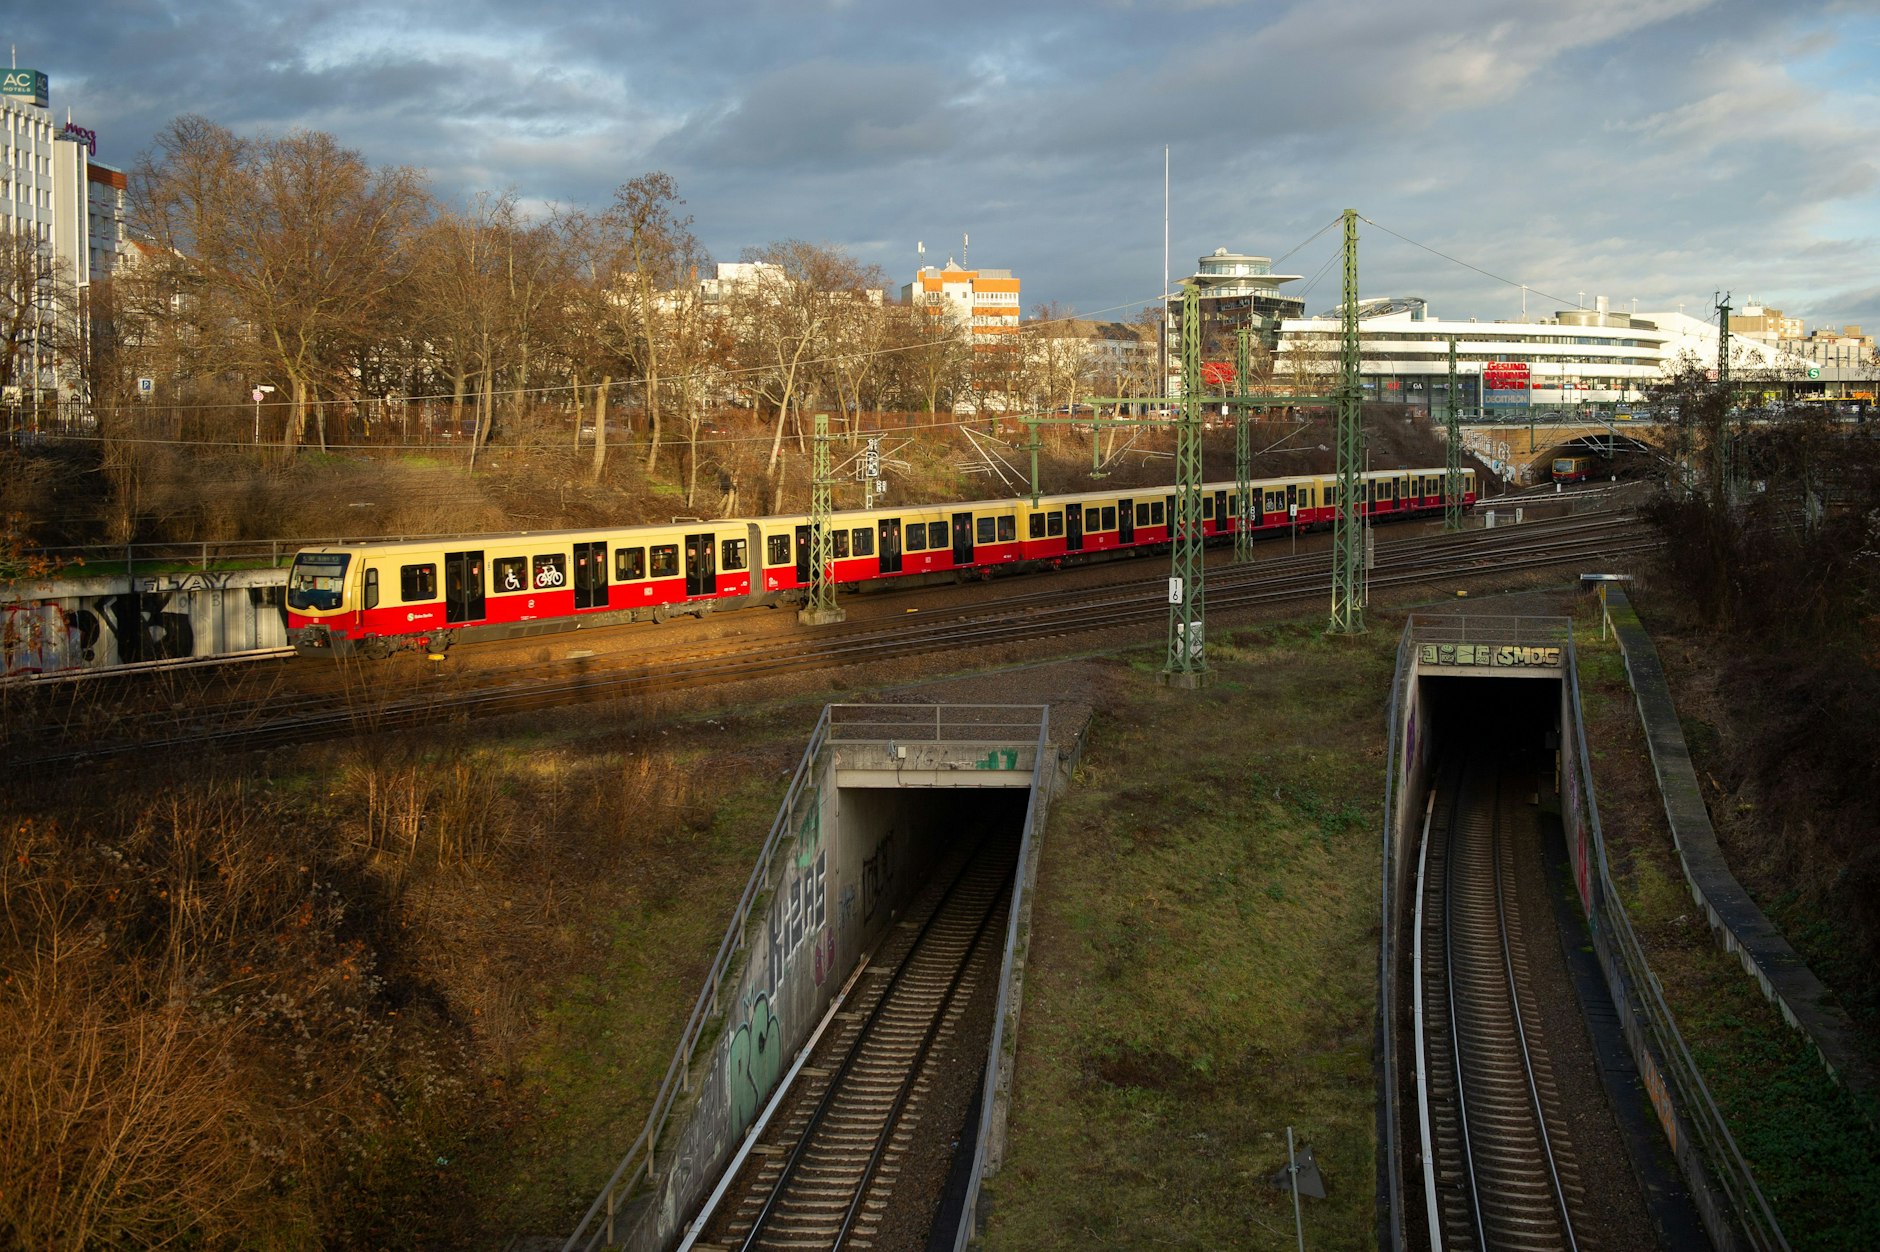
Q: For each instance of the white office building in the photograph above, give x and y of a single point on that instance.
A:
(54, 193)
(1577, 357)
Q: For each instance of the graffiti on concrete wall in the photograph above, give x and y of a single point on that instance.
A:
(150, 625)
(37, 637)
(878, 877)
(802, 915)
(755, 1060)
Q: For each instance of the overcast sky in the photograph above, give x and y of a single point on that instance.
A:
(1649, 150)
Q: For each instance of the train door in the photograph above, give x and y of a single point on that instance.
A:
(463, 586)
(701, 565)
(962, 538)
(1257, 498)
(889, 547)
(1221, 526)
(1125, 522)
(1073, 528)
(803, 546)
(590, 575)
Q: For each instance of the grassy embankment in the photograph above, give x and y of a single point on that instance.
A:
(1814, 1156)
(1203, 961)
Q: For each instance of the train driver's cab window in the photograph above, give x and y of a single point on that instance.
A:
(864, 541)
(510, 573)
(629, 564)
(551, 571)
(1008, 528)
(777, 549)
(664, 559)
(417, 582)
(839, 543)
(317, 580)
(731, 554)
(985, 529)
(1054, 523)
(914, 538)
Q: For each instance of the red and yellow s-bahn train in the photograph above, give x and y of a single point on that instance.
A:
(381, 596)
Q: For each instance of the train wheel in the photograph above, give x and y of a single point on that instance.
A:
(660, 613)
(377, 649)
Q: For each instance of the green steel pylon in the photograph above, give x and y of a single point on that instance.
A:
(820, 609)
(1187, 664)
(1243, 454)
(1347, 528)
(1452, 483)
(1726, 479)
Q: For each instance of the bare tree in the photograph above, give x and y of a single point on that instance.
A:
(294, 243)
(650, 251)
(38, 308)
(784, 316)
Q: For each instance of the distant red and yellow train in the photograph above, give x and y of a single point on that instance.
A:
(378, 597)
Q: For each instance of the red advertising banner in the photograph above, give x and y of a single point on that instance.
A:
(1505, 375)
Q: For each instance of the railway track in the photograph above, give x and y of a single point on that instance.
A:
(828, 1169)
(1498, 1170)
(350, 696)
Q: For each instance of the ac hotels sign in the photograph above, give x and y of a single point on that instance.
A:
(29, 84)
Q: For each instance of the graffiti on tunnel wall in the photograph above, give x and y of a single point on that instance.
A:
(46, 634)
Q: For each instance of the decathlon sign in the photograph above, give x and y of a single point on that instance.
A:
(26, 84)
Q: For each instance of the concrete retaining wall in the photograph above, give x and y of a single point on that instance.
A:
(48, 625)
(1734, 919)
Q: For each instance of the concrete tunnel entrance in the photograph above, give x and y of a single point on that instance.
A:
(887, 799)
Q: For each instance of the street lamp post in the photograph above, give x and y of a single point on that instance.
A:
(261, 389)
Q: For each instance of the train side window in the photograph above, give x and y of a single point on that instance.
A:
(777, 549)
(665, 560)
(1008, 528)
(1109, 517)
(551, 570)
(372, 588)
(839, 543)
(510, 573)
(864, 541)
(629, 564)
(914, 537)
(417, 582)
(1054, 524)
(1207, 506)
(986, 529)
(1142, 515)
(731, 554)
(1155, 513)
(1034, 529)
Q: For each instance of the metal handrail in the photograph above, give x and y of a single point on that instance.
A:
(637, 1163)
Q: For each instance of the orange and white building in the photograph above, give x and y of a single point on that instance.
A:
(983, 301)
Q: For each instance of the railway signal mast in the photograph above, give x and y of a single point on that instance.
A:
(1452, 482)
(1187, 664)
(1347, 528)
(821, 609)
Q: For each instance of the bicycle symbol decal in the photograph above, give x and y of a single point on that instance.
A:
(548, 576)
